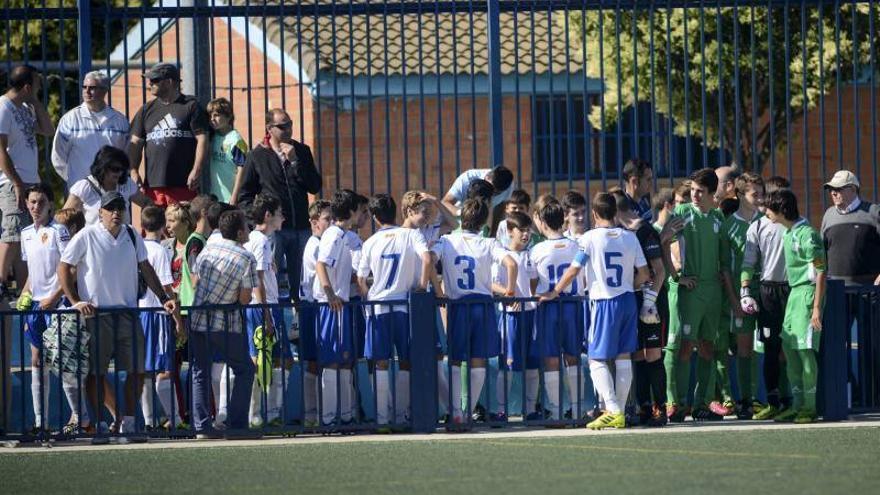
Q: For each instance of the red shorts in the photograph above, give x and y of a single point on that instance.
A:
(164, 196)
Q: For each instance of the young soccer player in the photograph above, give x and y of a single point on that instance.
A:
(764, 252)
(515, 324)
(466, 258)
(228, 152)
(42, 243)
(320, 218)
(616, 265)
(805, 266)
(700, 301)
(735, 323)
(399, 261)
(663, 205)
(160, 329)
(575, 206)
(519, 202)
(359, 320)
(650, 376)
(265, 213)
(332, 285)
(559, 324)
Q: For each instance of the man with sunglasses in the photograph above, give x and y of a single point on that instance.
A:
(283, 167)
(171, 131)
(851, 232)
(86, 129)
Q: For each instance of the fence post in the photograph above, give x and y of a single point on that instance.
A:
(494, 33)
(423, 359)
(833, 404)
(84, 41)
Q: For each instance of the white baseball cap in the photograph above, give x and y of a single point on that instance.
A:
(843, 178)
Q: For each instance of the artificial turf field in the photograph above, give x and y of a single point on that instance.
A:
(676, 460)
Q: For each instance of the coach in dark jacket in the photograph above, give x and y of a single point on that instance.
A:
(851, 232)
(286, 169)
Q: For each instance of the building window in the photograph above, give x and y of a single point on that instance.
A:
(565, 145)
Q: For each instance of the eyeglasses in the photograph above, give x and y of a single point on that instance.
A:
(92, 88)
(283, 126)
(157, 80)
(838, 190)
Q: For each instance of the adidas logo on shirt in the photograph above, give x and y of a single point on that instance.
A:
(168, 127)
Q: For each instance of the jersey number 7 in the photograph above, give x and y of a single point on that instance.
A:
(395, 262)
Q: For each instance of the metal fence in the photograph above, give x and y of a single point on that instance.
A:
(394, 95)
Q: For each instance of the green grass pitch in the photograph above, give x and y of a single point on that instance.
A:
(838, 460)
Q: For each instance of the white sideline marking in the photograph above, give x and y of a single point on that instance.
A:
(688, 428)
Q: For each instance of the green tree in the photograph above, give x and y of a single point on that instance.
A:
(689, 62)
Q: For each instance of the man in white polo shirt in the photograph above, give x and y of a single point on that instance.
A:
(107, 256)
(85, 129)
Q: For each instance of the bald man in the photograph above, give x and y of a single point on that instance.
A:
(725, 195)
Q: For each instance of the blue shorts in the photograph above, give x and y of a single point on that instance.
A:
(359, 322)
(159, 341)
(335, 345)
(386, 330)
(35, 324)
(614, 327)
(253, 318)
(472, 328)
(308, 332)
(560, 328)
(517, 330)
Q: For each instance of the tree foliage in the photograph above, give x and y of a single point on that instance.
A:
(690, 62)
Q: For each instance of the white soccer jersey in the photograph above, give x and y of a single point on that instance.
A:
(431, 232)
(356, 245)
(334, 252)
(611, 257)
(260, 246)
(524, 275)
(160, 259)
(467, 260)
(310, 258)
(393, 256)
(41, 249)
(551, 258)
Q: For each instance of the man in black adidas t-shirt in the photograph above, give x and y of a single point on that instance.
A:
(172, 131)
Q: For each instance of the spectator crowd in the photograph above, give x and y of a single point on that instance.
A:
(719, 269)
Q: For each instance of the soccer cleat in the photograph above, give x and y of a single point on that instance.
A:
(786, 416)
(744, 410)
(479, 415)
(658, 417)
(720, 409)
(608, 420)
(757, 406)
(676, 413)
(805, 416)
(645, 414)
(766, 413)
(705, 414)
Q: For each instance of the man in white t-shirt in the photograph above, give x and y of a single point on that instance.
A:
(22, 118)
(86, 129)
(107, 257)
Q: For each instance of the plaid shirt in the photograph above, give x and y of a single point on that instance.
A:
(224, 268)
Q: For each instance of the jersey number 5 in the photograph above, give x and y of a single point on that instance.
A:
(613, 269)
(467, 280)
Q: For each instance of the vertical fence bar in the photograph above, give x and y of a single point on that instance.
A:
(772, 89)
(837, 85)
(872, 34)
(787, 51)
(833, 374)
(496, 136)
(855, 91)
(820, 27)
(703, 97)
(805, 113)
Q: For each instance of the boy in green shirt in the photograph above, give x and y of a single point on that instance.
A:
(736, 324)
(700, 299)
(805, 267)
(228, 153)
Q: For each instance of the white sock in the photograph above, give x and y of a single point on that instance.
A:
(310, 396)
(276, 396)
(165, 391)
(76, 397)
(401, 397)
(623, 373)
(603, 382)
(347, 394)
(382, 397)
(456, 390)
(551, 385)
(329, 385)
(531, 398)
(478, 378)
(216, 380)
(40, 395)
(443, 386)
(255, 413)
(227, 379)
(573, 384)
(147, 403)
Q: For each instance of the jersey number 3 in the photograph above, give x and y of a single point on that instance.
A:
(467, 280)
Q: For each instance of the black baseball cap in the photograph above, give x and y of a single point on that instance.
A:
(163, 70)
(112, 200)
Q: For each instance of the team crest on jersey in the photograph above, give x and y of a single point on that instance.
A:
(716, 226)
(44, 237)
(560, 246)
